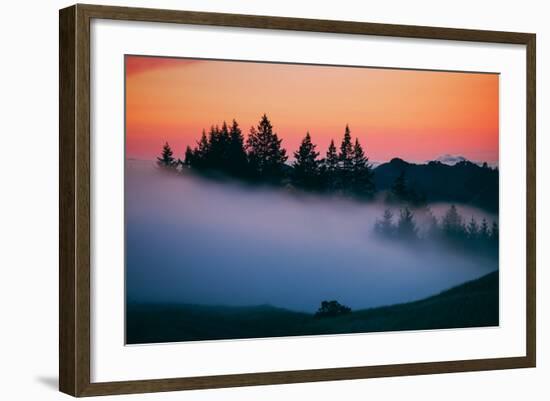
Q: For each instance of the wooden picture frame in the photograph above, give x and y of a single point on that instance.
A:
(74, 199)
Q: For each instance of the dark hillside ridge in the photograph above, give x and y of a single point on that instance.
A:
(472, 304)
(465, 182)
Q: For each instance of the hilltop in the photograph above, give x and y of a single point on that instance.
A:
(464, 182)
(472, 304)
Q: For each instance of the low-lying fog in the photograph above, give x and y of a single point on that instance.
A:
(191, 240)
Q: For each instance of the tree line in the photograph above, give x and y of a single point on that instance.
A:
(451, 229)
(262, 158)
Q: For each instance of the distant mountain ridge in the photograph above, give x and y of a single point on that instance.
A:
(451, 160)
(464, 182)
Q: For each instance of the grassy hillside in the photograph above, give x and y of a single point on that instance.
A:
(472, 304)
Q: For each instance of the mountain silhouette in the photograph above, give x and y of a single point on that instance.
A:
(465, 182)
(449, 159)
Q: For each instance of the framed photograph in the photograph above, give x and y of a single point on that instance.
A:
(250, 200)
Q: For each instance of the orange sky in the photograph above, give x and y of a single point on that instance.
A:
(415, 115)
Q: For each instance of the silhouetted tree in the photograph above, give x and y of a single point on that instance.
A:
(346, 159)
(306, 165)
(452, 223)
(200, 157)
(222, 151)
(402, 191)
(385, 227)
(218, 144)
(166, 159)
(189, 155)
(362, 174)
(472, 229)
(399, 191)
(330, 168)
(484, 229)
(331, 160)
(265, 154)
(406, 227)
(236, 154)
(346, 150)
(432, 227)
(332, 309)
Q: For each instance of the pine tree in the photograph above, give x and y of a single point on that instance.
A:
(265, 154)
(385, 227)
(362, 174)
(345, 171)
(432, 226)
(218, 141)
(406, 227)
(452, 223)
(346, 151)
(472, 229)
(166, 159)
(223, 143)
(484, 229)
(360, 161)
(399, 190)
(331, 161)
(306, 165)
(201, 153)
(330, 167)
(189, 157)
(236, 152)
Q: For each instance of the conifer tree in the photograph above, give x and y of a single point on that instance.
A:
(189, 156)
(359, 160)
(399, 190)
(224, 140)
(452, 223)
(306, 165)
(331, 161)
(406, 227)
(218, 141)
(166, 159)
(484, 229)
(236, 153)
(201, 153)
(345, 170)
(362, 174)
(385, 226)
(265, 154)
(330, 168)
(432, 226)
(472, 229)
(346, 151)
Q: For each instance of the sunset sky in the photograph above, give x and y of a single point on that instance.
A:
(414, 115)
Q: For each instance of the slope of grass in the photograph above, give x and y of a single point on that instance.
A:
(472, 304)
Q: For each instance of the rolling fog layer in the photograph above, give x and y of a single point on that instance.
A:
(190, 240)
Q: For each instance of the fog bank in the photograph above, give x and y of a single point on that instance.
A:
(191, 240)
